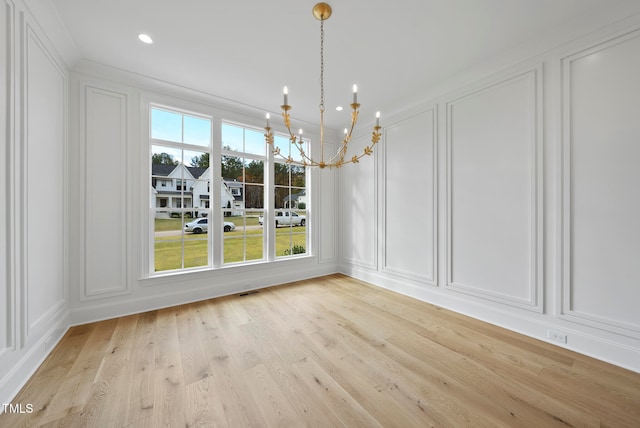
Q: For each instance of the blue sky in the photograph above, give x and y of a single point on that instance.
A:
(182, 128)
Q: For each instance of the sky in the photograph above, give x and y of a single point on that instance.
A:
(197, 131)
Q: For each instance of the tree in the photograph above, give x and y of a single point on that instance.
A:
(163, 159)
(254, 172)
(281, 172)
(232, 167)
(298, 176)
(201, 161)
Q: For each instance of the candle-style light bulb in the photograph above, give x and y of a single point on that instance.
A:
(377, 118)
(285, 91)
(268, 116)
(355, 94)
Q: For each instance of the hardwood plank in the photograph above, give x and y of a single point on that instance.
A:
(326, 389)
(228, 386)
(195, 364)
(330, 351)
(54, 368)
(203, 405)
(275, 408)
(111, 389)
(142, 384)
(169, 387)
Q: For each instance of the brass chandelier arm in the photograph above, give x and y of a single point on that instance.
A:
(337, 161)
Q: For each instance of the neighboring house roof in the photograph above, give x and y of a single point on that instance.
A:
(197, 171)
(232, 182)
(163, 170)
(295, 196)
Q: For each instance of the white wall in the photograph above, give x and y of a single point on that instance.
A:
(512, 195)
(33, 293)
(109, 178)
(600, 202)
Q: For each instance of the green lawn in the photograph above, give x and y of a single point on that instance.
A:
(238, 245)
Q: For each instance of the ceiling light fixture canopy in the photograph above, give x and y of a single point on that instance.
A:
(322, 12)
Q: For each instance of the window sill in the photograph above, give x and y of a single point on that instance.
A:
(208, 272)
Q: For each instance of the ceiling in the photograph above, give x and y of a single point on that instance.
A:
(248, 50)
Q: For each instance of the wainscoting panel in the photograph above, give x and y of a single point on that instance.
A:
(359, 203)
(105, 193)
(7, 288)
(43, 175)
(327, 212)
(410, 243)
(493, 185)
(601, 204)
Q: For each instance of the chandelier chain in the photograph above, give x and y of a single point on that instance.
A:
(322, 64)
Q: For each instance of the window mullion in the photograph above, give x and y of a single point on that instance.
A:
(269, 227)
(216, 240)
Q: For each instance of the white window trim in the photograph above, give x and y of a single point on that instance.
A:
(215, 215)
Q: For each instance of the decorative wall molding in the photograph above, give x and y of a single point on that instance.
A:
(370, 216)
(7, 193)
(34, 93)
(325, 230)
(584, 77)
(529, 82)
(35, 246)
(104, 193)
(410, 215)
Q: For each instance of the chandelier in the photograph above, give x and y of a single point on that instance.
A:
(322, 12)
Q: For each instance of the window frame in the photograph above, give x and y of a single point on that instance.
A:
(215, 241)
(180, 184)
(253, 157)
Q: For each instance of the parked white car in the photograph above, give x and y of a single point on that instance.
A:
(202, 225)
(286, 218)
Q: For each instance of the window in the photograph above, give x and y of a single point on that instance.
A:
(290, 192)
(184, 182)
(244, 157)
(180, 150)
(242, 170)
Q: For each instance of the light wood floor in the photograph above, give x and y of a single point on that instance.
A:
(327, 352)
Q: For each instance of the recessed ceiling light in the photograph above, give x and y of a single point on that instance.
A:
(339, 108)
(144, 38)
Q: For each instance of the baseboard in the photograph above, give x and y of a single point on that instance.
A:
(601, 345)
(26, 361)
(123, 307)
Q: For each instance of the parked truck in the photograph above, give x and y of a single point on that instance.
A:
(286, 218)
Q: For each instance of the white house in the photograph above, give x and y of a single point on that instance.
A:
(180, 186)
(233, 196)
(296, 200)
